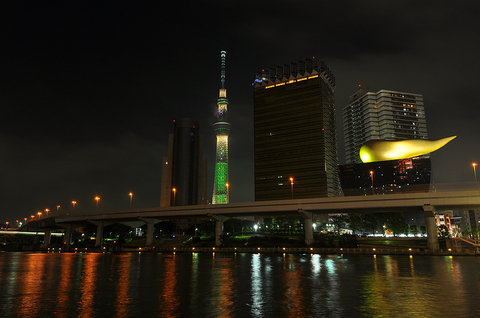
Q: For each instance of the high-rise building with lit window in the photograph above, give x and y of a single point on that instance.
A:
(222, 130)
(386, 114)
(295, 133)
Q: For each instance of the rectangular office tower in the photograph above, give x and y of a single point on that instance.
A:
(295, 136)
(388, 115)
(184, 170)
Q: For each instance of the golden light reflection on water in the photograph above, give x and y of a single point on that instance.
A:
(65, 284)
(226, 288)
(88, 285)
(32, 288)
(293, 302)
(168, 299)
(395, 289)
(123, 286)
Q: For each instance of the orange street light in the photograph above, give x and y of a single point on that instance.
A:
(97, 199)
(39, 214)
(475, 173)
(131, 197)
(228, 194)
(73, 204)
(174, 195)
(371, 176)
(291, 184)
(47, 210)
(58, 207)
(6, 224)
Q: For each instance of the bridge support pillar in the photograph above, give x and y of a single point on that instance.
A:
(150, 223)
(430, 224)
(308, 226)
(47, 237)
(219, 219)
(67, 238)
(99, 232)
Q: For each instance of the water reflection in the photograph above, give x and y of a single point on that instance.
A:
(227, 285)
(293, 302)
(31, 288)
(168, 299)
(256, 283)
(123, 286)
(226, 282)
(65, 284)
(88, 285)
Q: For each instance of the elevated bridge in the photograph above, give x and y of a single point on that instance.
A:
(426, 202)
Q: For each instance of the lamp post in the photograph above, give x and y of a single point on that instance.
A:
(228, 194)
(174, 195)
(291, 184)
(6, 225)
(475, 173)
(371, 177)
(39, 214)
(47, 210)
(73, 204)
(58, 207)
(131, 197)
(97, 199)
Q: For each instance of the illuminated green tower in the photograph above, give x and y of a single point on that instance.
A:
(222, 130)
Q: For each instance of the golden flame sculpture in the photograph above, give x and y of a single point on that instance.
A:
(383, 150)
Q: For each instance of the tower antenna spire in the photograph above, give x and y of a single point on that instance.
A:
(223, 55)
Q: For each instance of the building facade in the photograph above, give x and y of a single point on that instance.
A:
(184, 170)
(386, 115)
(221, 193)
(295, 138)
(384, 177)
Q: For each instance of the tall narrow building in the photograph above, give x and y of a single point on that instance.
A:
(295, 135)
(184, 170)
(386, 114)
(222, 131)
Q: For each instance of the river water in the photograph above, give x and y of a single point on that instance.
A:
(237, 285)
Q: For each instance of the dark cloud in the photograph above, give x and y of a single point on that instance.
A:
(89, 90)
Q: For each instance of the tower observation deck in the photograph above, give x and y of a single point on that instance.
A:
(222, 130)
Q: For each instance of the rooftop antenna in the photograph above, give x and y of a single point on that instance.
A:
(223, 55)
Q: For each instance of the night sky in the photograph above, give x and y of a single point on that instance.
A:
(89, 90)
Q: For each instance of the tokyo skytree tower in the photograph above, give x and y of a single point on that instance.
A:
(222, 130)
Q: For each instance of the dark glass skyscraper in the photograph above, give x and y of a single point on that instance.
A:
(295, 133)
(184, 169)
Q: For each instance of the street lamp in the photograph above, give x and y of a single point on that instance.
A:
(371, 176)
(131, 197)
(97, 199)
(174, 195)
(291, 184)
(73, 204)
(228, 194)
(475, 173)
(39, 214)
(6, 224)
(47, 210)
(58, 207)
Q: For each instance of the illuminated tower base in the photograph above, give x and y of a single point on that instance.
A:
(220, 186)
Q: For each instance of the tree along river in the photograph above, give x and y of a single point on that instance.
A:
(237, 285)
